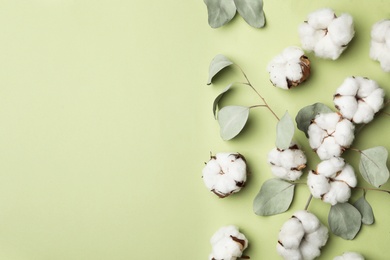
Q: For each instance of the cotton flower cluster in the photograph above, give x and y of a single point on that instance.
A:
(301, 237)
(290, 68)
(326, 34)
(349, 256)
(330, 134)
(225, 173)
(287, 164)
(380, 44)
(332, 181)
(358, 99)
(228, 244)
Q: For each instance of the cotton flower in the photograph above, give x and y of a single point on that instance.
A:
(301, 237)
(290, 68)
(332, 181)
(287, 164)
(330, 134)
(227, 244)
(326, 34)
(225, 173)
(358, 99)
(349, 256)
(380, 43)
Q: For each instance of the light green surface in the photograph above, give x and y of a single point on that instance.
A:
(106, 122)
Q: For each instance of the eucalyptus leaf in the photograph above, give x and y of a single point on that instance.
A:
(251, 11)
(373, 167)
(284, 132)
(218, 98)
(308, 113)
(217, 64)
(274, 197)
(232, 120)
(344, 220)
(365, 210)
(220, 12)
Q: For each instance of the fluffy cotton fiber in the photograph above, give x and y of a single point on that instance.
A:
(349, 256)
(225, 173)
(287, 164)
(332, 181)
(326, 34)
(301, 237)
(290, 68)
(358, 99)
(380, 43)
(227, 244)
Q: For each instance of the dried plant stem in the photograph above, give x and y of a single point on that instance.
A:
(308, 202)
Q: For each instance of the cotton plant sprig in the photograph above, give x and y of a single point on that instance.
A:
(221, 12)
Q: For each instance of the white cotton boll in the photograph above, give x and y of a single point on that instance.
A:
(293, 71)
(225, 185)
(348, 176)
(309, 36)
(364, 113)
(292, 53)
(325, 48)
(318, 184)
(291, 234)
(379, 30)
(339, 193)
(274, 157)
(309, 221)
(278, 78)
(344, 133)
(321, 18)
(366, 86)
(329, 148)
(279, 172)
(327, 121)
(287, 159)
(288, 254)
(347, 105)
(375, 99)
(349, 256)
(316, 135)
(299, 157)
(309, 251)
(349, 87)
(384, 60)
(319, 237)
(377, 49)
(341, 30)
(329, 168)
(224, 246)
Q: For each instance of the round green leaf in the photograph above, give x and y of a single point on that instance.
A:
(274, 197)
(232, 120)
(220, 12)
(284, 132)
(251, 11)
(218, 98)
(217, 64)
(308, 113)
(344, 220)
(365, 210)
(373, 166)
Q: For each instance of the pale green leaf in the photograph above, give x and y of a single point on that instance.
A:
(217, 64)
(220, 12)
(218, 98)
(232, 120)
(284, 132)
(344, 220)
(373, 167)
(365, 210)
(275, 197)
(251, 11)
(308, 113)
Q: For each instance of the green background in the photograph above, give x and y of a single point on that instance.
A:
(106, 123)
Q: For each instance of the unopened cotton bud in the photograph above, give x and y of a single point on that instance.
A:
(227, 244)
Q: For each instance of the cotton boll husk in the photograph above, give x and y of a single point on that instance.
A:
(308, 251)
(293, 71)
(344, 133)
(379, 30)
(318, 184)
(291, 234)
(347, 105)
(364, 113)
(330, 167)
(326, 49)
(341, 30)
(327, 121)
(292, 53)
(288, 254)
(375, 99)
(349, 256)
(309, 221)
(349, 87)
(319, 237)
(366, 87)
(338, 193)
(329, 148)
(321, 18)
(348, 176)
(316, 135)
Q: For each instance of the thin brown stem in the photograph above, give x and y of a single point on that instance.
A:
(308, 202)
